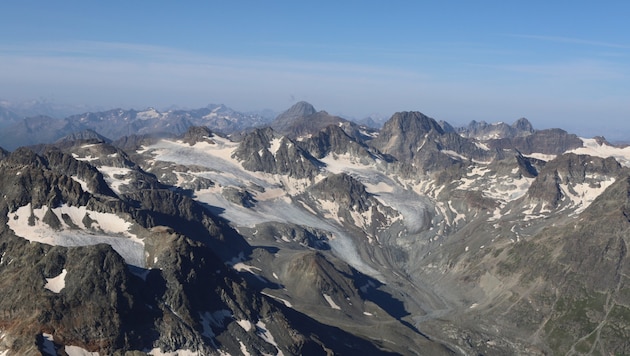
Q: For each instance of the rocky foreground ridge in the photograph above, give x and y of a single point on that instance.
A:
(326, 238)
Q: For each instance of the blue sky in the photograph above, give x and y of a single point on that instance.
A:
(560, 64)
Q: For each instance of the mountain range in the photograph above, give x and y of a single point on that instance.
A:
(23, 131)
(213, 232)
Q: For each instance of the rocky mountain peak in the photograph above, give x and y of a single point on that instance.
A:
(523, 125)
(405, 133)
(446, 126)
(84, 135)
(412, 122)
(302, 120)
(299, 109)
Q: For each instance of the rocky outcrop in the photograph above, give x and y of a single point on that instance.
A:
(196, 134)
(256, 153)
(347, 201)
(551, 141)
(94, 306)
(134, 142)
(66, 164)
(26, 179)
(239, 196)
(571, 170)
(296, 112)
(343, 190)
(291, 233)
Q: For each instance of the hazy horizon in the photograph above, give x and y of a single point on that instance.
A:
(554, 64)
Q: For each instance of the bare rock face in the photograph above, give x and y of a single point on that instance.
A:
(285, 157)
(551, 141)
(293, 234)
(198, 134)
(334, 140)
(343, 190)
(31, 181)
(68, 165)
(404, 132)
(298, 111)
(85, 135)
(418, 140)
(91, 306)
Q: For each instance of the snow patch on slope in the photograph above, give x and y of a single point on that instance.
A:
(83, 183)
(582, 195)
(275, 145)
(498, 187)
(58, 283)
(106, 228)
(114, 177)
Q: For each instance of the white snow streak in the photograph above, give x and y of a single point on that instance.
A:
(331, 302)
(284, 301)
(83, 183)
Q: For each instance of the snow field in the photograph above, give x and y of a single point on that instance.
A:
(110, 174)
(592, 148)
(106, 228)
